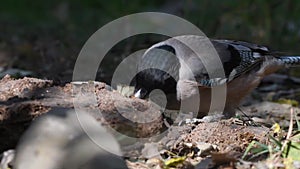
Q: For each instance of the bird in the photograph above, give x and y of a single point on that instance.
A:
(171, 66)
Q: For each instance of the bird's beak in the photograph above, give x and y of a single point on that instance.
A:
(138, 94)
(141, 93)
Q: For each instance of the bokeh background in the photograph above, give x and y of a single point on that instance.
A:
(43, 38)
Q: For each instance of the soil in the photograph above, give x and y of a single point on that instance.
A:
(24, 100)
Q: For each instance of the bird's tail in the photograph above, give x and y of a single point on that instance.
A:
(290, 60)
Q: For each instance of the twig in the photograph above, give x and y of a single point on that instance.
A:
(289, 134)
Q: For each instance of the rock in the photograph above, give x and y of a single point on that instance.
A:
(66, 139)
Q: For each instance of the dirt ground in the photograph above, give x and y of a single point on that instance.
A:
(218, 144)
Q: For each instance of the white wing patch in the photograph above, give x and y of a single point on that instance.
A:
(256, 55)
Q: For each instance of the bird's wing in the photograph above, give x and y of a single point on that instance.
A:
(239, 57)
(236, 57)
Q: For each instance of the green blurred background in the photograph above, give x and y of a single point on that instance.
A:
(45, 37)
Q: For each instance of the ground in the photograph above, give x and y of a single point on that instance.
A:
(220, 143)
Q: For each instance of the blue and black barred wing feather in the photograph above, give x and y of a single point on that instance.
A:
(290, 60)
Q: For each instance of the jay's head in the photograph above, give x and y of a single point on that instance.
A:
(151, 79)
(158, 69)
